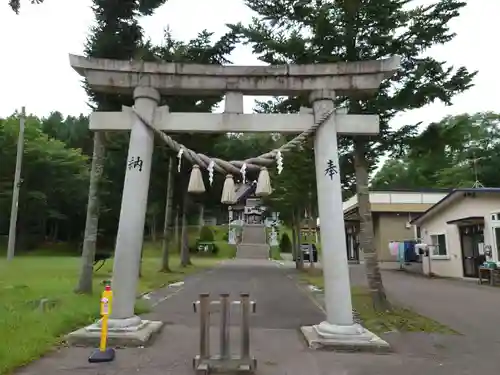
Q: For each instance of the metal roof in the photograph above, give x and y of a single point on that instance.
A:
(455, 193)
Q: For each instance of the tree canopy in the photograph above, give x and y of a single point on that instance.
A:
(454, 152)
(16, 4)
(282, 32)
(54, 182)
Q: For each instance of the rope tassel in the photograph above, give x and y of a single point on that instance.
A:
(196, 185)
(263, 183)
(243, 171)
(179, 156)
(210, 169)
(279, 162)
(228, 193)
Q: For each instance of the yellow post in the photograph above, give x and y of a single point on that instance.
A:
(106, 302)
(104, 354)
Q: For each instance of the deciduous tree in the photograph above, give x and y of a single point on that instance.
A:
(451, 153)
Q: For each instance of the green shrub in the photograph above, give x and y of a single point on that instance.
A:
(285, 243)
(206, 234)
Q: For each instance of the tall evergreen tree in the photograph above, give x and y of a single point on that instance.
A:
(201, 50)
(320, 31)
(16, 4)
(116, 35)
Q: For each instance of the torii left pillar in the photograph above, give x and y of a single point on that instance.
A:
(126, 328)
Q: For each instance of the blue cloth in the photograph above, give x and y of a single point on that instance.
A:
(401, 252)
(409, 251)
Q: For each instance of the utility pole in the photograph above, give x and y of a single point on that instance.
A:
(15, 190)
(477, 183)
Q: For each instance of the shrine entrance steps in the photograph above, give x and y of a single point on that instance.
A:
(254, 243)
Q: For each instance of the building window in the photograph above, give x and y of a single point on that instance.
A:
(439, 244)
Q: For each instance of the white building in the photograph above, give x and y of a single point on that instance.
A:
(463, 227)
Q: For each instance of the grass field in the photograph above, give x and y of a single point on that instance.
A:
(27, 332)
(399, 319)
(275, 253)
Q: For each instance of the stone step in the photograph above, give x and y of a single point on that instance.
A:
(255, 234)
(252, 251)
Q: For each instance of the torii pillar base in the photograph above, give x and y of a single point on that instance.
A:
(139, 335)
(353, 338)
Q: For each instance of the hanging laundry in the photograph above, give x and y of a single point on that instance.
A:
(409, 252)
(393, 248)
(401, 252)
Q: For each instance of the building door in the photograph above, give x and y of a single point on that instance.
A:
(348, 243)
(351, 244)
(496, 241)
(254, 219)
(470, 238)
(352, 248)
(495, 229)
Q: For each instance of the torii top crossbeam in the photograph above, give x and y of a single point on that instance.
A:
(344, 78)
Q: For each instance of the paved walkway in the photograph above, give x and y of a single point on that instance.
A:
(465, 306)
(281, 309)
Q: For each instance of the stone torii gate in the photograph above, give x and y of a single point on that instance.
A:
(148, 81)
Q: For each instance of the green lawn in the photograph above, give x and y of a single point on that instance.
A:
(225, 250)
(275, 253)
(400, 319)
(28, 279)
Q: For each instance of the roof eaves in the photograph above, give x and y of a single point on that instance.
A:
(440, 203)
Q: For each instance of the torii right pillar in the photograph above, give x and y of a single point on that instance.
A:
(338, 331)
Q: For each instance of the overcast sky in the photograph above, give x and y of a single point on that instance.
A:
(34, 47)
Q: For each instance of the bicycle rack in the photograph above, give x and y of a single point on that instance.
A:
(204, 363)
